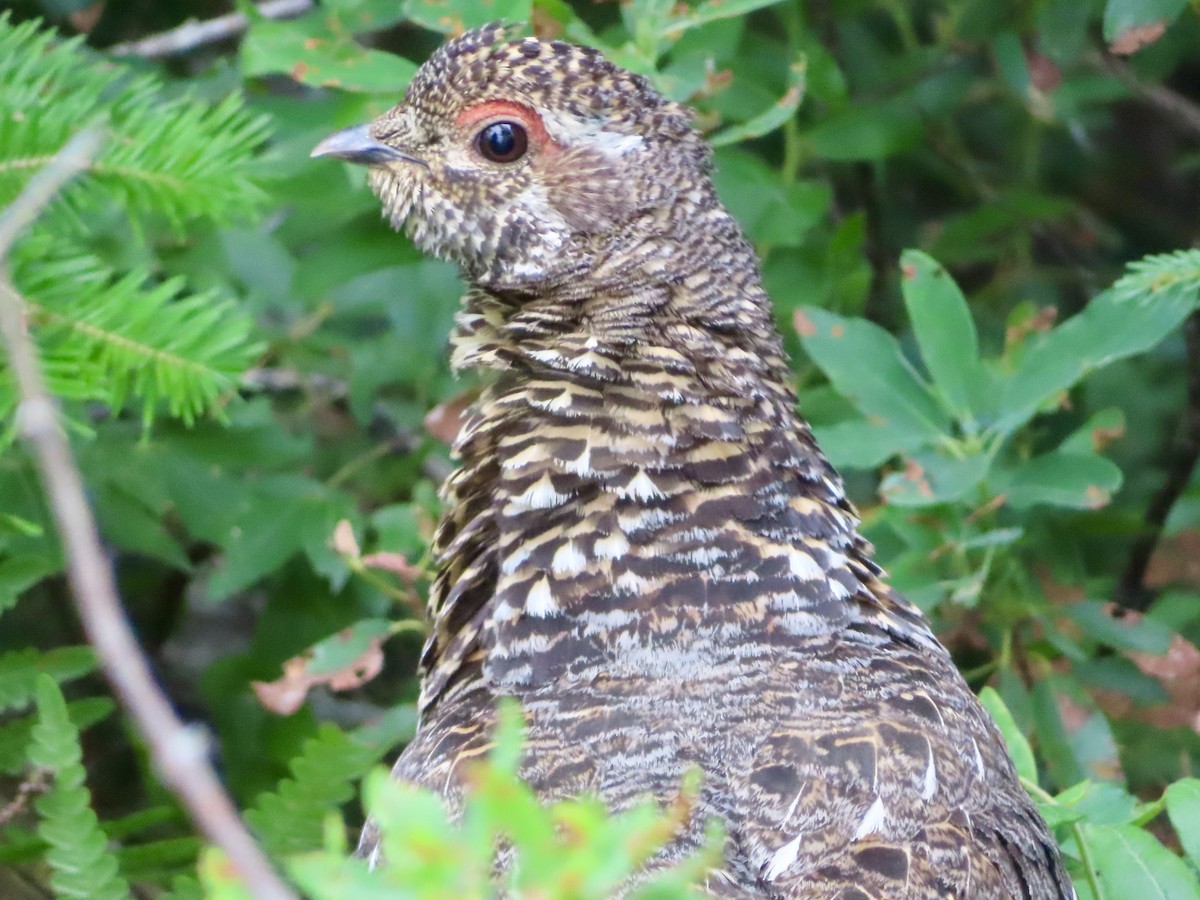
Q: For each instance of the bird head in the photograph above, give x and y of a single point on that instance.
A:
(524, 160)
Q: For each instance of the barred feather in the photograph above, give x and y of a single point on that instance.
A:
(643, 543)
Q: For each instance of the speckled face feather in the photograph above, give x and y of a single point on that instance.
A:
(643, 542)
(531, 223)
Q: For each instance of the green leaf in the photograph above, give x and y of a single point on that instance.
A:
(1086, 748)
(18, 573)
(771, 211)
(774, 117)
(864, 363)
(1183, 806)
(184, 887)
(284, 515)
(157, 860)
(456, 16)
(1111, 327)
(930, 477)
(1060, 810)
(340, 650)
(394, 727)
(867, 131)
(311, 53)
(1121, 676)
(945, 333)
(16, 734)
(1132, 864)
(1103, 803)
(712, 11)
(1073, 480)
(289, 819)
(361, 16)
(1120, 16)
(21, 669)
(1096, 433)
(1012, 63)
(865, 444)
(1018, 745)
(1142, 635)
(78, 854)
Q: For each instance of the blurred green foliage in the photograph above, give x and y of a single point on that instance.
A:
(247, 357)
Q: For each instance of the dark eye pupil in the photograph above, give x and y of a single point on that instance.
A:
(503, 142)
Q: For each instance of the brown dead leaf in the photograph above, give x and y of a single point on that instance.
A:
(914, 472)
(1074, 717)
(545, 25)
(805, 327)
(1043, 320)
(395, 563)
(1057, 592)
(1044, 75)
(84, 20)
(1102, 437)
(1134, 39)
(1176, 561)
(1177, 670)
(716, 80)
(286, 694)
(344, 542)
(446, 419)
(987, 508)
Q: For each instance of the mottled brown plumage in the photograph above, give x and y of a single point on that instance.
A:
(643, 543)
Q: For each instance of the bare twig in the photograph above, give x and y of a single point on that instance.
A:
(34, 784)
(1183, 112)
(193, 34)
(392, 437)
(1131, 590)
(179, 752)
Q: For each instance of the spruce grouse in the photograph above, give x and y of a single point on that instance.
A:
(643, 543)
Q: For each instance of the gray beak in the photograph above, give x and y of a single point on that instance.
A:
(357, 146)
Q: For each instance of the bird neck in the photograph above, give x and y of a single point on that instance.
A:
(636, 488)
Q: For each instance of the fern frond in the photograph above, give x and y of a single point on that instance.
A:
(20, 671)
(78, 854)
(184, 887)
(290, 819)
(1151, 275)
(172, 157)
(108, 336)
(15, 735)
(159, 860)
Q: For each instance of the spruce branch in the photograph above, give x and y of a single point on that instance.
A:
(179, 752)
(123, 336)
(117, 336)
(170, 157)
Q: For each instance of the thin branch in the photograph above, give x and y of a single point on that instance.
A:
(193, 34)
(179, 752)
(879, 256)
(35, 783)
(1131, 590)
(392, 436)
(1177, 108)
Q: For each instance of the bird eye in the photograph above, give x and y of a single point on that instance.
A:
(503, 142)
